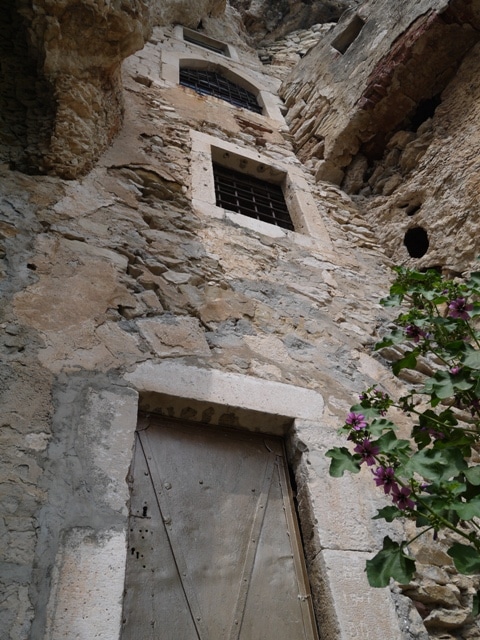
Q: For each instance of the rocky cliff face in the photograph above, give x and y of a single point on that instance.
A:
(368, 110)
(64, 101)
(270, 20)
(107, 266)
(60, 75)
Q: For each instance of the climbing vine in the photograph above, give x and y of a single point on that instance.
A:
(431, 477)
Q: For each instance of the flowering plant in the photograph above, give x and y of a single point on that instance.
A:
(430, 477)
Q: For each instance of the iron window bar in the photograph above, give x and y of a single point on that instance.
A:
(211, 83)
(251, 197)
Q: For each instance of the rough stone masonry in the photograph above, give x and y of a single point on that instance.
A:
(121, 290)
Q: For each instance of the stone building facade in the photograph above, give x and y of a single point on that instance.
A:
(127, 288)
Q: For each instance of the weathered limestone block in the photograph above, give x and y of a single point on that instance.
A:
(448, 618)
(170, 336)
(221, 304)
(86, 594)
(440, 595)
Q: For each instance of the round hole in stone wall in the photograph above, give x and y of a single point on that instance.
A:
(416, 241)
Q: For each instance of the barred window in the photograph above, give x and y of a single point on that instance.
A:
(214, 84)
(251, 197)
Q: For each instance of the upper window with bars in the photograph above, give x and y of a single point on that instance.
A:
(212, 83)
(251, 197)
(200, 40)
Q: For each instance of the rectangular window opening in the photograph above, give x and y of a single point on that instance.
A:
(343, 41)
(193, 37)
(251, 197)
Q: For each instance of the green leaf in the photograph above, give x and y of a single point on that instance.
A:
(368, 412)
(441, 385)
(379, 425)
(447, 417)
(389, 443)
(472, 474)
(392, 301)
(475, 312)
(455, 347)
(389, 514)
(465, 557)
(444, 384)
(342, 460)
(407, 362)
(390, 562)
(474, 281)
(435, 464)
(467, 510)
(472, 359)
(397, 336)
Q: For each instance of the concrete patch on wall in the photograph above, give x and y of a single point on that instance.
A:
(172, 336)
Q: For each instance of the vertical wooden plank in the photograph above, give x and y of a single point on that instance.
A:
(153, 589)
(245, 572)
(209, 483)
(304, 595)
(275, 603)
(228, 564)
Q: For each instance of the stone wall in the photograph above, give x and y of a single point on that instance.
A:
(114, 270)
(117, 285)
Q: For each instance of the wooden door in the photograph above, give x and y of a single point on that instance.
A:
(213, 544)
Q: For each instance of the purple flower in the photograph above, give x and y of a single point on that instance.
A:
(367, 450)
(455, 370)
(356, 421)
(401, 499)
(433, 433)
(414, 333)
(385, 476)
(459, 308)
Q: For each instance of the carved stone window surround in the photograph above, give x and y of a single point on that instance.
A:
(303, 210)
